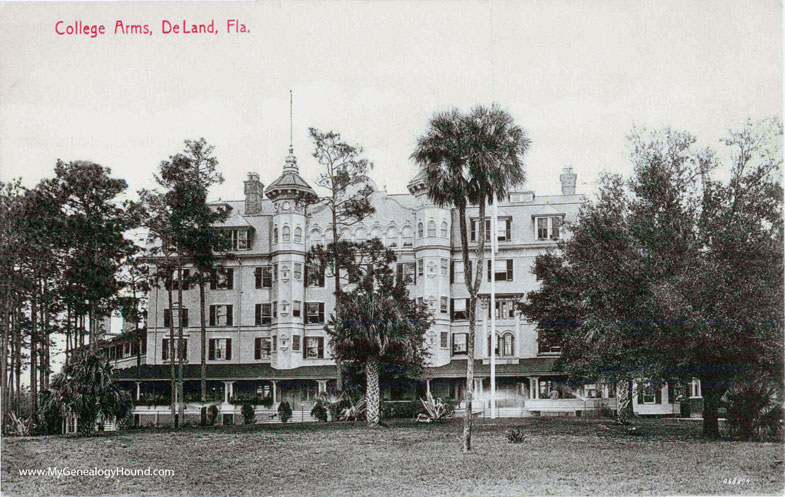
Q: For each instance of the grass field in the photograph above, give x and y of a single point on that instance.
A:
(560, 456)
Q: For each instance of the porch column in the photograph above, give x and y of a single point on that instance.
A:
(321, 386)
(536, 387)
(485, 340)
(275, 392)
(428, 387)
(517, 333)
(138, 389)
(228, 391)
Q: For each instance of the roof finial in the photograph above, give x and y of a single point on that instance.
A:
(291, 125)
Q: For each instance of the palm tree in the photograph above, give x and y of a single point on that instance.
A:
(471, 159)
(377, 324)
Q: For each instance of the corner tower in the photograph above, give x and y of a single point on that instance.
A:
(432, 254)
(289, 194)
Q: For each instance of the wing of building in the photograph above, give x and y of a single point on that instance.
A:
(265, 325)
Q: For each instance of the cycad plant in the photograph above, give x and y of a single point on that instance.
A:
(85, 389)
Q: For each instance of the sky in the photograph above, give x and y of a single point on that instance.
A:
(576, 75)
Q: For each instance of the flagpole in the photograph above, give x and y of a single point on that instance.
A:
(494, 342)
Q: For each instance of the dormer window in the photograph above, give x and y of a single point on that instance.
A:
(548, 227)
(240, 239)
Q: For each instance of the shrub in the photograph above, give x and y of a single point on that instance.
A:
(284, 411)
(266, 402)
(319, 411)
(754, 412)
(606, 412)
(212, 414)
(249, 413)
(515, 435)
(403, 409)
(353, 411)
(435, 410)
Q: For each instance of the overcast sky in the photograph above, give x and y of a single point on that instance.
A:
(576, 75)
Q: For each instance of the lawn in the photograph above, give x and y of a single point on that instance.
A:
(560, 456)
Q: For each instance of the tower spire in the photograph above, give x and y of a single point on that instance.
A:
(291, 124)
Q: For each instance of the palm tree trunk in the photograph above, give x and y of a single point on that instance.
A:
(372, 392)
(624, 394)
(712, 392)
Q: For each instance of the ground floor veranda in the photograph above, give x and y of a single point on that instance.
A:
(526, 388)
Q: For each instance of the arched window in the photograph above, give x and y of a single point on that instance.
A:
(444, 229)
(359, 235)
(376, 232)
(408, 236)
(419, 230)
(314, 238)
(298, 234)
(285, 234)
(391, 237)
(505, 345)
(328, 236)
(275, 235)
(431, 228)
(346, 235)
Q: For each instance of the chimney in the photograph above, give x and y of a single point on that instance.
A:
(568, 179)
(254, 192)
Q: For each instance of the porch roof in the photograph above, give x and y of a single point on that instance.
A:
(525, 367)
(226, 372)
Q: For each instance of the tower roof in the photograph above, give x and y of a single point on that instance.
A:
(289, 181)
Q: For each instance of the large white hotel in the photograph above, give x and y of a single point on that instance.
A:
(265, 327)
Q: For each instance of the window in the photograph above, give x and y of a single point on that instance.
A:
(444, 229)
(505, 345)
(262, 348)
(432, 228)
(298, 234)
(391, 237)
(298, 271)
(346, 235)
(459, 343)
(444, 301)
(220, 349)
(295, 343)
(127, 349)
(419, 230)
(275, 272)
(239, 239)
(165, 349)
(314, 348)
(275, 310)
(186, 280)
(314, 312)
(444, 338)
(445, 264)
(275, 235)
(286, 234)
(505, 307)
(548, 227)
(263, 277)
(459, 309)
(456, 275)
(649, 393)
(220, 315)
(275, 343)
(420, 264)
(264, 314)
(502, 271)
(314, 276)
(406, 270)
(503, 229)
(222, 279)
(359, 235)
(376, 232)
(296, 308)
(408, 237)
(315, 238)
(168, 317)
(695, 388)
